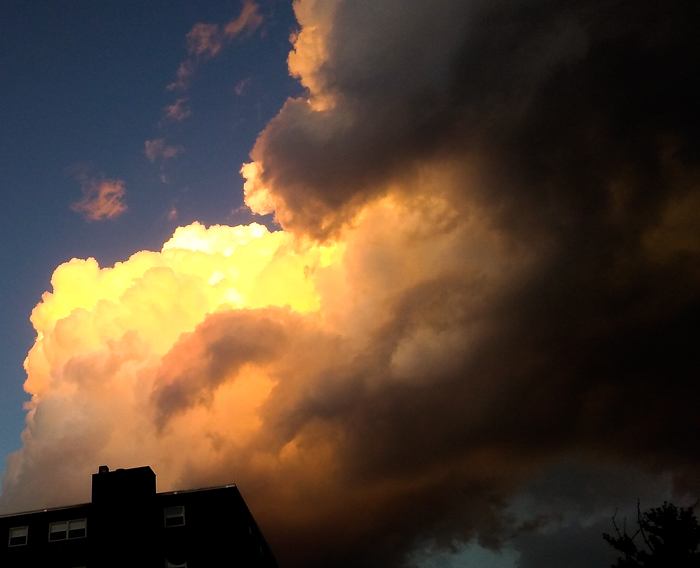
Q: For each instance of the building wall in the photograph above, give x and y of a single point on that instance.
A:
(39, 551)
(218, 531)
(126, 526)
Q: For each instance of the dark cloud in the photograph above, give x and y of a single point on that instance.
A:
(571, 546)
(555, 101)
(573, 503)
(201, 362)
(568, 127)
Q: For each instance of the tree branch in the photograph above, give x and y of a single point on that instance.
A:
(641, 528)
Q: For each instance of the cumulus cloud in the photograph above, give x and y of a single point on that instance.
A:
(204, 41)
(487, 269)
(95, 351)
(102, 199)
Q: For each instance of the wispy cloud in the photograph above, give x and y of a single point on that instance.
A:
(248, 21)
(204, 41)
(102, 199)
(173, 214)
(182, 76)
(242, 86)
(157, 148)
(178, 110)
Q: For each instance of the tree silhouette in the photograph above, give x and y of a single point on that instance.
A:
(668, 537)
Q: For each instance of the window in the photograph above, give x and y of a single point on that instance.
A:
(18, 536)
(169, 564)
(58, 531)
(68, 529)
(77, 528)
(174, 516)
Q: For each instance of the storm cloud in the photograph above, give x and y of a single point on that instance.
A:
(489, 266)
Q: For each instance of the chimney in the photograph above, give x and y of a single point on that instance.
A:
(124, 516)
(123, 485)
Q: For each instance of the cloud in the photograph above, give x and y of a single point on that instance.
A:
(157, 148)
(471, 95)
(487, 272)
(102, 199)
(205, 41)
(518, 118)
(242, 86)
(573, 502)
(178, 110)
(246, 23)
(182, 76)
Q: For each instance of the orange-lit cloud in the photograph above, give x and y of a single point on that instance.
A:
(204, 41)
(103, 199)
(109, 340)
(239, 352)
(247, 22)
(309, 51)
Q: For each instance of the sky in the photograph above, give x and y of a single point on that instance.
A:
(422, 278)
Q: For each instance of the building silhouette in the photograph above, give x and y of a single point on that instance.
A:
(128, 524)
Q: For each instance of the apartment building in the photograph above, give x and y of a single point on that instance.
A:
(128, 524)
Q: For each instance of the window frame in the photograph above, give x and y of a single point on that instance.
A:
(68, 530)
(10, 537)
(166, 517)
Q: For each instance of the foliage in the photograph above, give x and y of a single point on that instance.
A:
(666, 537)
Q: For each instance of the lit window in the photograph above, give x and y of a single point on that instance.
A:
(169, 564)
(68, 529)
(18, 536)
(174, 516)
